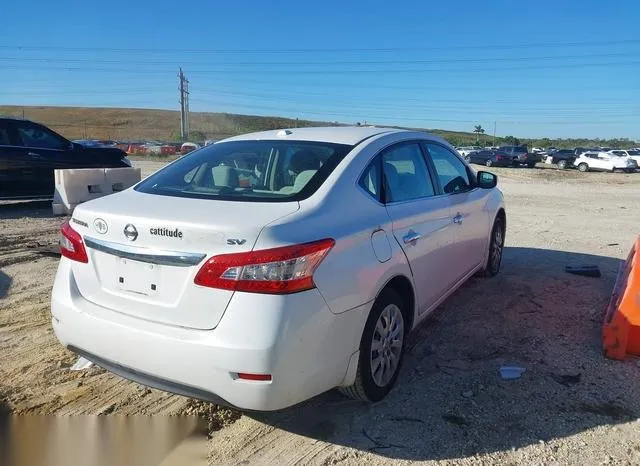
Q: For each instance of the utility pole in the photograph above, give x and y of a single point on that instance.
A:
(494, 134)
(184, 105)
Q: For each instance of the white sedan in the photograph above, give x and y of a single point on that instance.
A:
(604, 161)
(260, 288)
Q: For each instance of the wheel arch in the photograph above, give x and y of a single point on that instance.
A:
(403, 286)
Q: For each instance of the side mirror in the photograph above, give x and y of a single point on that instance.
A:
(487, 180)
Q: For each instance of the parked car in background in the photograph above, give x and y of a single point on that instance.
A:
(634, 154)
(188, 147)
(490, 158)
(520, 155)
(30, 152)
(563, 158)
(464, 151)
(266, 295)
(603, 161)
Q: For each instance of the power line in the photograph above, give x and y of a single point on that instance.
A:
(333, 62)
(141, 71)
(327, 50)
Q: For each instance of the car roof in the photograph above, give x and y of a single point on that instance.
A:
(350, 135)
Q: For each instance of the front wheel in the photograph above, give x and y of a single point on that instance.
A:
(562, 164)
(583, 167)
(531, 165)
(381, 349)
(496, 247)
(488, 163)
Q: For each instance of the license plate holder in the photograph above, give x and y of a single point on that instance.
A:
(137, 277)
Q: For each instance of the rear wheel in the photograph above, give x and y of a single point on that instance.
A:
(496, 247)
(531, 165)
(381, 349)
(583, 167)
(488, 163)
(562, 164)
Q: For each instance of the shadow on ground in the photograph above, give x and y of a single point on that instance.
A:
(23, 209)
(450, 401)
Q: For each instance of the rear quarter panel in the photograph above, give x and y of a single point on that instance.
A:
(351, 274)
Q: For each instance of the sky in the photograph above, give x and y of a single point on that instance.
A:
(528, 69)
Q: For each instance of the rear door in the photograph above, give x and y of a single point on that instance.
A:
(467, 209)
(46, 151)
(421, 220)
(19, 172)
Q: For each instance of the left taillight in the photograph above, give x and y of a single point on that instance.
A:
(71, 244)
(282, 270)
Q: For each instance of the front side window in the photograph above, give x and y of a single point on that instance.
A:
(40, 138)
(406, 175)
(271, 171)
(452, 173)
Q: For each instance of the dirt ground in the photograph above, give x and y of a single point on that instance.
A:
(571, 406)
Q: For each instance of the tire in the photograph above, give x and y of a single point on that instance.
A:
(488, 163)
(531, 165)
(368, 387)
(494, 260)
(562, 164)
(583, 167)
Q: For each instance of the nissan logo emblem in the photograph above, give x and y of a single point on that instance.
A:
(130, 232)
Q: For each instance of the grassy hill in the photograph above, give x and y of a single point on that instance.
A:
(164, 125)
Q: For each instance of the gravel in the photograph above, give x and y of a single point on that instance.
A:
(450, 407)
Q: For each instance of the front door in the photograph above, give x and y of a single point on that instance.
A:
(16, 171)
(467, 203)
(421, 220)
(47, 151)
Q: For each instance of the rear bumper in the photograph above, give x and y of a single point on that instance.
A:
(303, 345)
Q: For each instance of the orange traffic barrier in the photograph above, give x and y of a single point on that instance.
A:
(621, 328)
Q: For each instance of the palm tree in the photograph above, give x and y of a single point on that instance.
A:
(478, 129)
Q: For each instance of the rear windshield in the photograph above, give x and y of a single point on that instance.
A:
(259, 171)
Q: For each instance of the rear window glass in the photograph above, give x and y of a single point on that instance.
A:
(267, 171)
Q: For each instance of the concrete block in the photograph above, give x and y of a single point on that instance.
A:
(75, 186)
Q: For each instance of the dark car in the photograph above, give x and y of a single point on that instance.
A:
(491, 158)
(30, 152)
(520, 155)
(564, 158)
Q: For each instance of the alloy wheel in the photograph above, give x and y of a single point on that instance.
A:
(386, 345)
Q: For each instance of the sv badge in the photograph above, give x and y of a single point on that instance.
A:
(236, 242)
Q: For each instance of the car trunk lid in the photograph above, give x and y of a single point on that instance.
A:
(145, 250)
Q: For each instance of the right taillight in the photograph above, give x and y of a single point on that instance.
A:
(71, 244)
(281, 270)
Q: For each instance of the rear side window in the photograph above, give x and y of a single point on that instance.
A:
(452, 173)
(406, 175)
(370, 180)
(259, 171)
(41, 138)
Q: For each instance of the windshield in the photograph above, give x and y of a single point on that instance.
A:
(267, 171)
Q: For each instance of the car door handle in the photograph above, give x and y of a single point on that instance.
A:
(411, 237)
(34, 155)
(458, 219)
